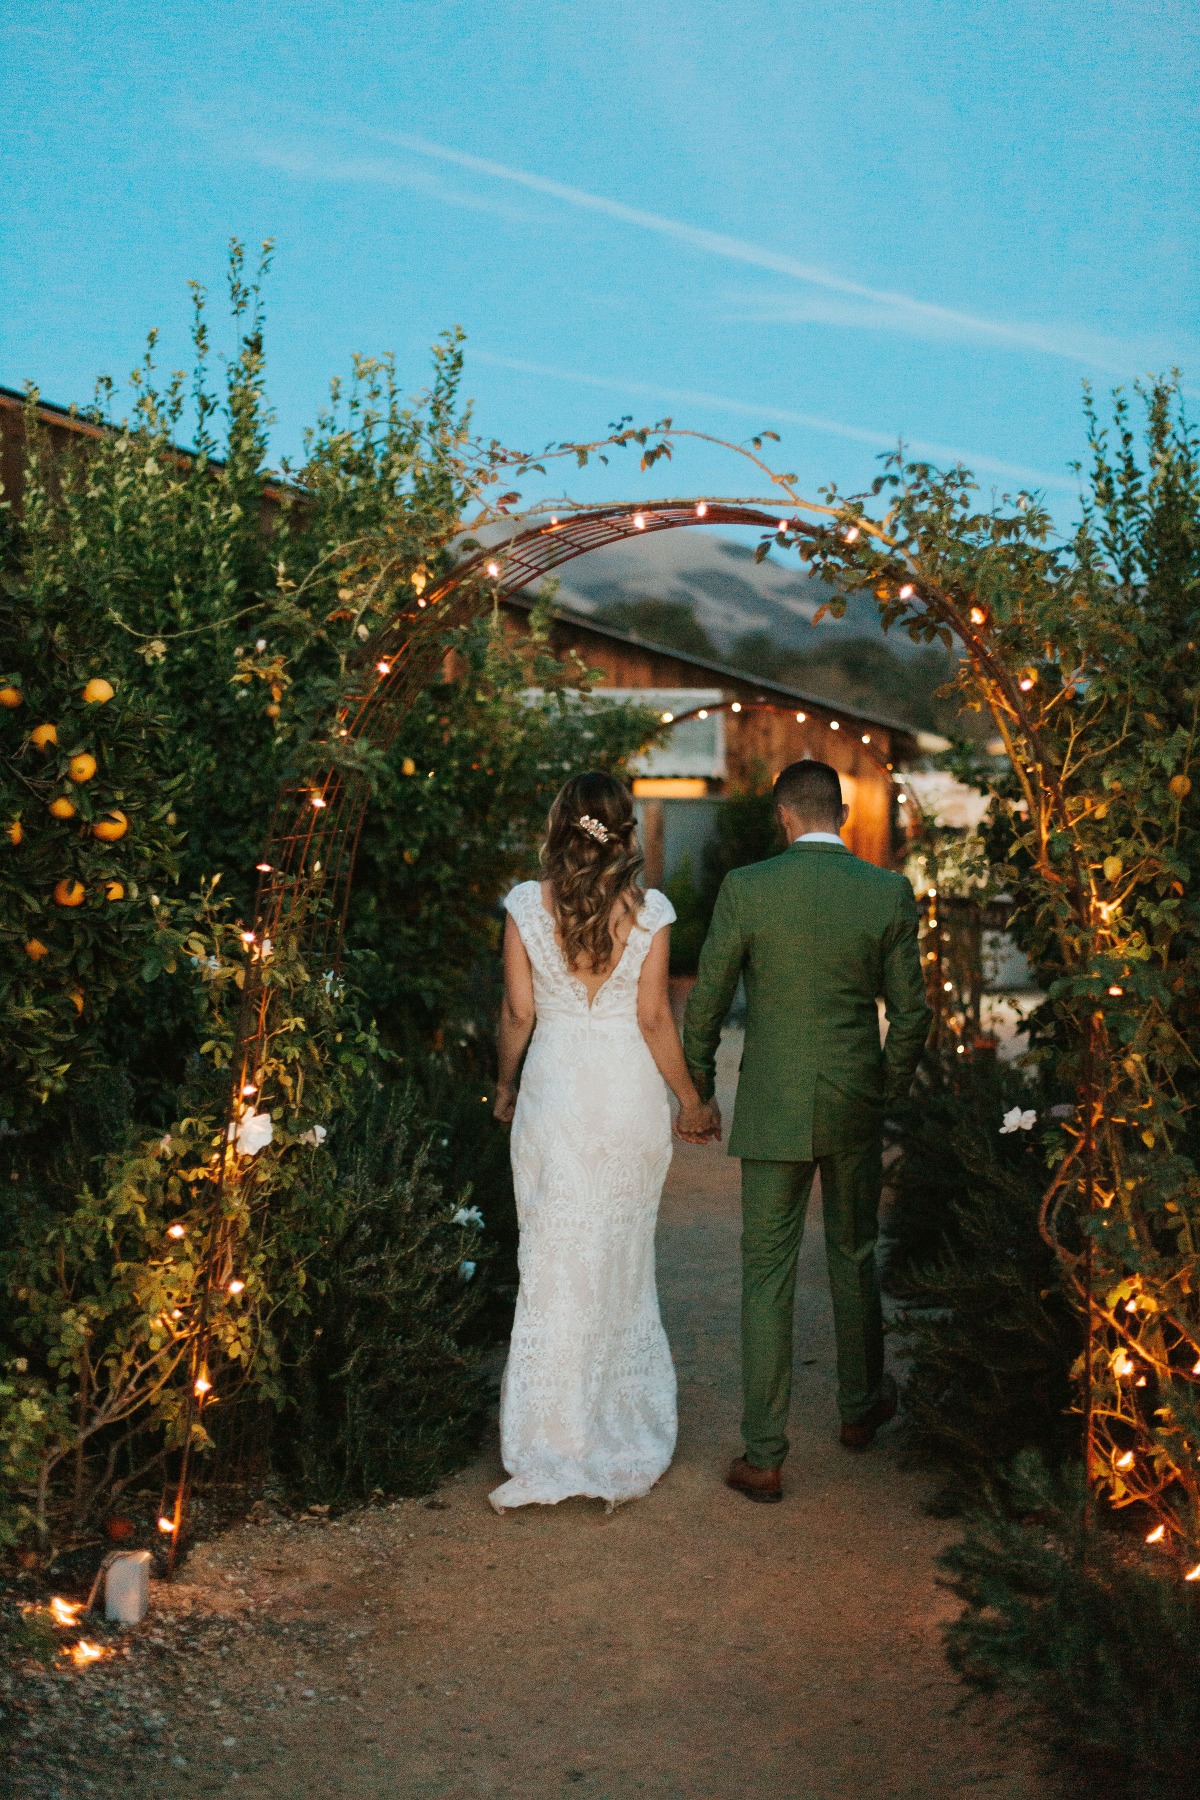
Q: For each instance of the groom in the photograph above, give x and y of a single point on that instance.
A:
(817, 935)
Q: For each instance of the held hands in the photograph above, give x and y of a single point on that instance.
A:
(699, 1122)
(506, 1103)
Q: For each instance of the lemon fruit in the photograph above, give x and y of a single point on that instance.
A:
(69, 893)
(10, 695)
(98, 691)
(82, 766)
(62, 808)
(112, 826)
(43, 735)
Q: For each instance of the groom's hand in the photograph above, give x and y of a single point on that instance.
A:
(699, 1123)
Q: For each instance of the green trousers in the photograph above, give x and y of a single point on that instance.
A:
(774, 1202)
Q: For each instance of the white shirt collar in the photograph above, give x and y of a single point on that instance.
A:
(818, 837)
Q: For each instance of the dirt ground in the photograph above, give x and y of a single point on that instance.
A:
(692, 1646)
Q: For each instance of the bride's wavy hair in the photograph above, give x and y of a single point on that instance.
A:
(591, 860)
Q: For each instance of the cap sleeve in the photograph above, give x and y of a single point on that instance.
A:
(516, 901)
(656, 912)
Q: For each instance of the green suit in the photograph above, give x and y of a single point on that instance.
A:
(817, 935)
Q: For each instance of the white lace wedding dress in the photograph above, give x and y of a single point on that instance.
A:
(588, 1400)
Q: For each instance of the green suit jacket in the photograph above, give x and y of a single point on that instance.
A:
(818, 935)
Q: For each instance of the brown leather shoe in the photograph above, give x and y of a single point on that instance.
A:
(763, 1485)
(861, 1434)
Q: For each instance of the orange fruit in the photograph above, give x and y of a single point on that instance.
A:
(16, 832)
(112, 826)
(82, 766)
(10, 695)
(62, 808)
(114, 890)
(41, 735)
(1180, 786)
(98, 691)
(77, 999)
(69, 893)
(272, 711)
(36, 949)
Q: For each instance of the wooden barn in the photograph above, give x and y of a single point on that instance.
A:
(734, 731)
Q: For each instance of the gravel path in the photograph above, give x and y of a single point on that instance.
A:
(689, 1647)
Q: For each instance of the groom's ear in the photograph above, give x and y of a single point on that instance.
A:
(843, 816)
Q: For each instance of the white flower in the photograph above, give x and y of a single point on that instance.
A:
(1016, 1120)
(315, 1135)
(260, 643)
(164, 1143)
(254, 1133)
(466, 1270)
(468, 1215)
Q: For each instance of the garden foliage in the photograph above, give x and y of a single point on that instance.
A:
(218, 604)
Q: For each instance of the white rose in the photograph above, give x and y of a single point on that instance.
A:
(315, 1135)
(468, 1215)
(254, 1133)
(1016, 1120)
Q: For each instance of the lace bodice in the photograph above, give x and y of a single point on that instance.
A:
(555, 988)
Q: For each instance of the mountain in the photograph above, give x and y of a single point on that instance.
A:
(727, 592)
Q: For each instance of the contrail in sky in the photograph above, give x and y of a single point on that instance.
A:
(763, 415)
(921, 315)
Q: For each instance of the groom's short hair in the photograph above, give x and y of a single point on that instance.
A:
(811, 790)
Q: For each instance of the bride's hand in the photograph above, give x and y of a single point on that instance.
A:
(699, 1122)
(506, 1103)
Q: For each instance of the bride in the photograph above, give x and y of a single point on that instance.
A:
(588, 1400)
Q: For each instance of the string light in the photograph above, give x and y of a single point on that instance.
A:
(978, 616)
(83, 1653)
(493, 569)
(1122, 1365)
(264, 868)
(201, 1386)
(834, 725)
(236, 1286)
(702, 510)
(318, 801)
(668, 718)
(852, 534)
(947, 987)
(249, 1088)
(639, 521)
(736, 707)
(1157, 1535)
(385, 668)
(176, 1230)
(165, 1525)
(907, 591)
(247, 937)
(1126, 1461)
(1193, 1574)
(554, 518)
(703, 713)
(866, 737)
(801, 718)
(66, 1612)
(1116, 992)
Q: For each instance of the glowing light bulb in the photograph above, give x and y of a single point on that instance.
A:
(176, 1231)
(554, 518)
(852, 534)
(834, 725)
(201, 1386)
(247, 937)
(249, 1088)
(977, 615)
(801, 718)
(639, 521)
(736, 707)
(1116, 992)
(1122, 1365)
(702, 510)
(783, 526)
(84, 1653)
(66, 1612)
(165, 1525)
(385, 668)
(318, 801)
(866, 737)
(962, 1049)
(1193, 1574)
(703, 713)
(263, 868)
(947, 987)
(902, 799)
(237, 1287)
(933, 893)
(668, 718)
(906, 592)
(1157, 1535)
(1196, 1368)
(1126, 1461)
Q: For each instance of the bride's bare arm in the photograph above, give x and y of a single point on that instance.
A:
(698, 1120)
(518, 1015)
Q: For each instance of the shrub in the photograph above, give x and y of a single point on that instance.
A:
(1100, 1650)
(381, 1390)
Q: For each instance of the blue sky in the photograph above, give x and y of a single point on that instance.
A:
(844, 222)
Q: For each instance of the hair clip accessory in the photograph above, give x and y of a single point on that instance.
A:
(594, 828)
